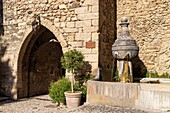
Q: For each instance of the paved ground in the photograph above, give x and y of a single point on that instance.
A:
(42, 104)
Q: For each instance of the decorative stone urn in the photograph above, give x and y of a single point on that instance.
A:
(124, 50)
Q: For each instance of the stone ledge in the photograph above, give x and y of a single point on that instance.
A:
(3, 98)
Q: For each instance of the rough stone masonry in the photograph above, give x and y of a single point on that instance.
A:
(149, 26)
(73, 23)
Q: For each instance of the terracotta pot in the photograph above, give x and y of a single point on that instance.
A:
(73, 99)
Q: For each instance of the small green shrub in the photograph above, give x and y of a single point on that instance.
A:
(165, 75)
(156, 75)
(152, 75)
(57, 89)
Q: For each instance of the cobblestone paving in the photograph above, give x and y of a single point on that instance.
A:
(42, 104)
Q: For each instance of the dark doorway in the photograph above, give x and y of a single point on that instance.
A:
(44, 64)
(40, 64)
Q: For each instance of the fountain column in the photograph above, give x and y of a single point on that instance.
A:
(124, 50)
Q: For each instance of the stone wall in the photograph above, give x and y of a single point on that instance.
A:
(149, 26)
(107, 30)
(76, 21)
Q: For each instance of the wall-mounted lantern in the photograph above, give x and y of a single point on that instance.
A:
(36, 23)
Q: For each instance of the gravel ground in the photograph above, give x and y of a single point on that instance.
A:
(42, 104)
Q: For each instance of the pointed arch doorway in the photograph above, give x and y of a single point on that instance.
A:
(39, 63)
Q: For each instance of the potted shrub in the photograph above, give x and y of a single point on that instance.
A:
(57, 89)
(72, 61)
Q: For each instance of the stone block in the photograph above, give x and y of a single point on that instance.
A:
(95, 36)
(56, 20)
(155, 87)
(89, 7)
(76, 44)
(81, 10)
(82, 36)
(5, 58)
(64, 43)
(42, 1)
(95, 50)
(80, 30)
(57, 25)
(70, 24)
(90, 29)
(87, 39)
(94, 65)
(62, 6)
(62, 24)
(95, 22)
(91, 57)
(63, 18)
(153, 96)
(88, 16)
(65, 49)
(70, 38)
(74, 18)
(86, 23)
(50, 1)
(90, 2)
(70, 30)
(66, 1)
(95, 8)
(68, 19)
(84, 50)
(112, 93)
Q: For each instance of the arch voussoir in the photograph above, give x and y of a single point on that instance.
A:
(49, 25)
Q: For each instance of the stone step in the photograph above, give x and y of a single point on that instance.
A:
(2, 98)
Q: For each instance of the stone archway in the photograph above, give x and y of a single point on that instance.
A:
(39, 63)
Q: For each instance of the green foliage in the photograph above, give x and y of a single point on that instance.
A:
(89, 77)
(72, 61)
(152, 75)
(116, 76)
(83, 78)
(156, 75)
(165, 75)
(83, 88)
(57, 89)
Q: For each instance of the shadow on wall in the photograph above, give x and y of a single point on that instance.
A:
(107, 36)
(1, 18)
(139, 69)
(85, 74)
(6, 78)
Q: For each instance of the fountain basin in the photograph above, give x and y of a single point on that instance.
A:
(155, 80)
(134, 95)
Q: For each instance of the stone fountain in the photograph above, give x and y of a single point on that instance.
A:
(124, 50)
(131, 95)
